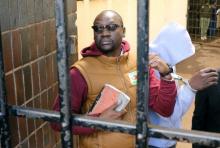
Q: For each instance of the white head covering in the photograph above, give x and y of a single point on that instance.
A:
(173, 44)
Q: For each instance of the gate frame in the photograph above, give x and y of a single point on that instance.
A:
(141, 130)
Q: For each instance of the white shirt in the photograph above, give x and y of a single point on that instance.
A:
(185, 97)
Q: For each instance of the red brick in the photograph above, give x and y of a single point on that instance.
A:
(7, 55)
(10, 92)
(47, 37)
(19, 87)
(16, 48)
(25, 50)
(14, 129)
(53, 45)
(50, 98)
(44, 101)
(33, 43)
(43, 75)
(22, 128)
(32, 141)
(39, 136)
(49, 68)
(27, 82)
(40, 39)
(35, 75)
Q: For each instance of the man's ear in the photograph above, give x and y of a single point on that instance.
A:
(124, 30)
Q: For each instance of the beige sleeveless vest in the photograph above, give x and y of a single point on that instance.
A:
(121, 73)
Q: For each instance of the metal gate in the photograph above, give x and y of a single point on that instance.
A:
(194, 23)
(141, 130)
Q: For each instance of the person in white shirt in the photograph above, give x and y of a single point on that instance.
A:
(173, 44)
(185, 96)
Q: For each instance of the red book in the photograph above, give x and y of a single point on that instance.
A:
(108, 96)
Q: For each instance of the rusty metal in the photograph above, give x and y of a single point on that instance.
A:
(4, 124)
(63, 72)
(142, 75)
(141, 130)
(204, 138)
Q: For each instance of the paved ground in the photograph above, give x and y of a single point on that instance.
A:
(206, 55)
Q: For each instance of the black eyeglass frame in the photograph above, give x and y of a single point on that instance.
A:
(109, 27)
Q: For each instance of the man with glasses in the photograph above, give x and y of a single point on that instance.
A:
(109, 60)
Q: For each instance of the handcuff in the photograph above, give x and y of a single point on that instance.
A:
(185, 82)
(177, 77)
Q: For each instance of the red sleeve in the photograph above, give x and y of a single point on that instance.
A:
(162, 95)
(79, 91)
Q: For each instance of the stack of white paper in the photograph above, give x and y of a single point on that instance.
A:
(173, 44)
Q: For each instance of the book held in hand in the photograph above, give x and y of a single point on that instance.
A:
(108, 96)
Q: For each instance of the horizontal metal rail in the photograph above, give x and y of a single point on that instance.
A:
(204, 138)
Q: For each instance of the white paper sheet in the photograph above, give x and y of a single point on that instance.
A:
(173, 44)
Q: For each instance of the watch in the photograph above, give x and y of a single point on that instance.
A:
(170, 71)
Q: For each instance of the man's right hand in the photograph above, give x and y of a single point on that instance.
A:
(157, 63)
(204, 78)
(110, 113)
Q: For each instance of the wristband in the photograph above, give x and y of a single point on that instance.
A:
(170, 71)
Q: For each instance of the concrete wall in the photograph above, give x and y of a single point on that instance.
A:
(29, 54)
(161, 12)
(165, 11)
(87, 10)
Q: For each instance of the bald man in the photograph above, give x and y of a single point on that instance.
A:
(109, 60)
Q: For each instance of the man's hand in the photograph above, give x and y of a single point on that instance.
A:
(110, 113)
(157, 63)
(204, 78)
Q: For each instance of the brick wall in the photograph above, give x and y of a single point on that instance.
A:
(29, 51)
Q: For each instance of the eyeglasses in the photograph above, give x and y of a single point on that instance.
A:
(109, 27)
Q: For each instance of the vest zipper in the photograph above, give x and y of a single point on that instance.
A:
(125, 86)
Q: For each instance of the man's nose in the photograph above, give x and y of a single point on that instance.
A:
(105, 32)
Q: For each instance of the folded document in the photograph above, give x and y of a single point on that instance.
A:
(108, 96)
(173, 44)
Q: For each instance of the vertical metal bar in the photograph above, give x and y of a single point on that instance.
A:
(4, 124)
(63, 72)
(142, 65)
(187, 16)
